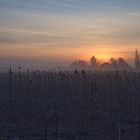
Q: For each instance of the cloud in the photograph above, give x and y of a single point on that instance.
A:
(60, 28)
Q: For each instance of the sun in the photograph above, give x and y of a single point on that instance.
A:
(103, 57)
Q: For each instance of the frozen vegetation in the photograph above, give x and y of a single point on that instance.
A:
(69, 105)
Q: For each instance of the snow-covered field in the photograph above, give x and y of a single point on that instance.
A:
(67, 105)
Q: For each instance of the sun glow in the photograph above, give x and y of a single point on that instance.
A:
(103, 55)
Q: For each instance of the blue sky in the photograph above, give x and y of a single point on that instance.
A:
(65, 30)
(58, 4)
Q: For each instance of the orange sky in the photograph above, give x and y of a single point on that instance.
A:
(85, 52)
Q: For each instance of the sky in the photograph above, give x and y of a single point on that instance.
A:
(46, 33)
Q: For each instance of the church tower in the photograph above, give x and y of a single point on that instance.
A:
(137, 60)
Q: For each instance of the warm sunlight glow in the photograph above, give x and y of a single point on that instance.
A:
(103, 57)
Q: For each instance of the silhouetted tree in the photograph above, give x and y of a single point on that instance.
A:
(122, 64)
(113, 62)
(93, 61)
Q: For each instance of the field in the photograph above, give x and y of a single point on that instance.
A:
(69, 105)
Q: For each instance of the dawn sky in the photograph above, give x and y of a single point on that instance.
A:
(40, 32)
